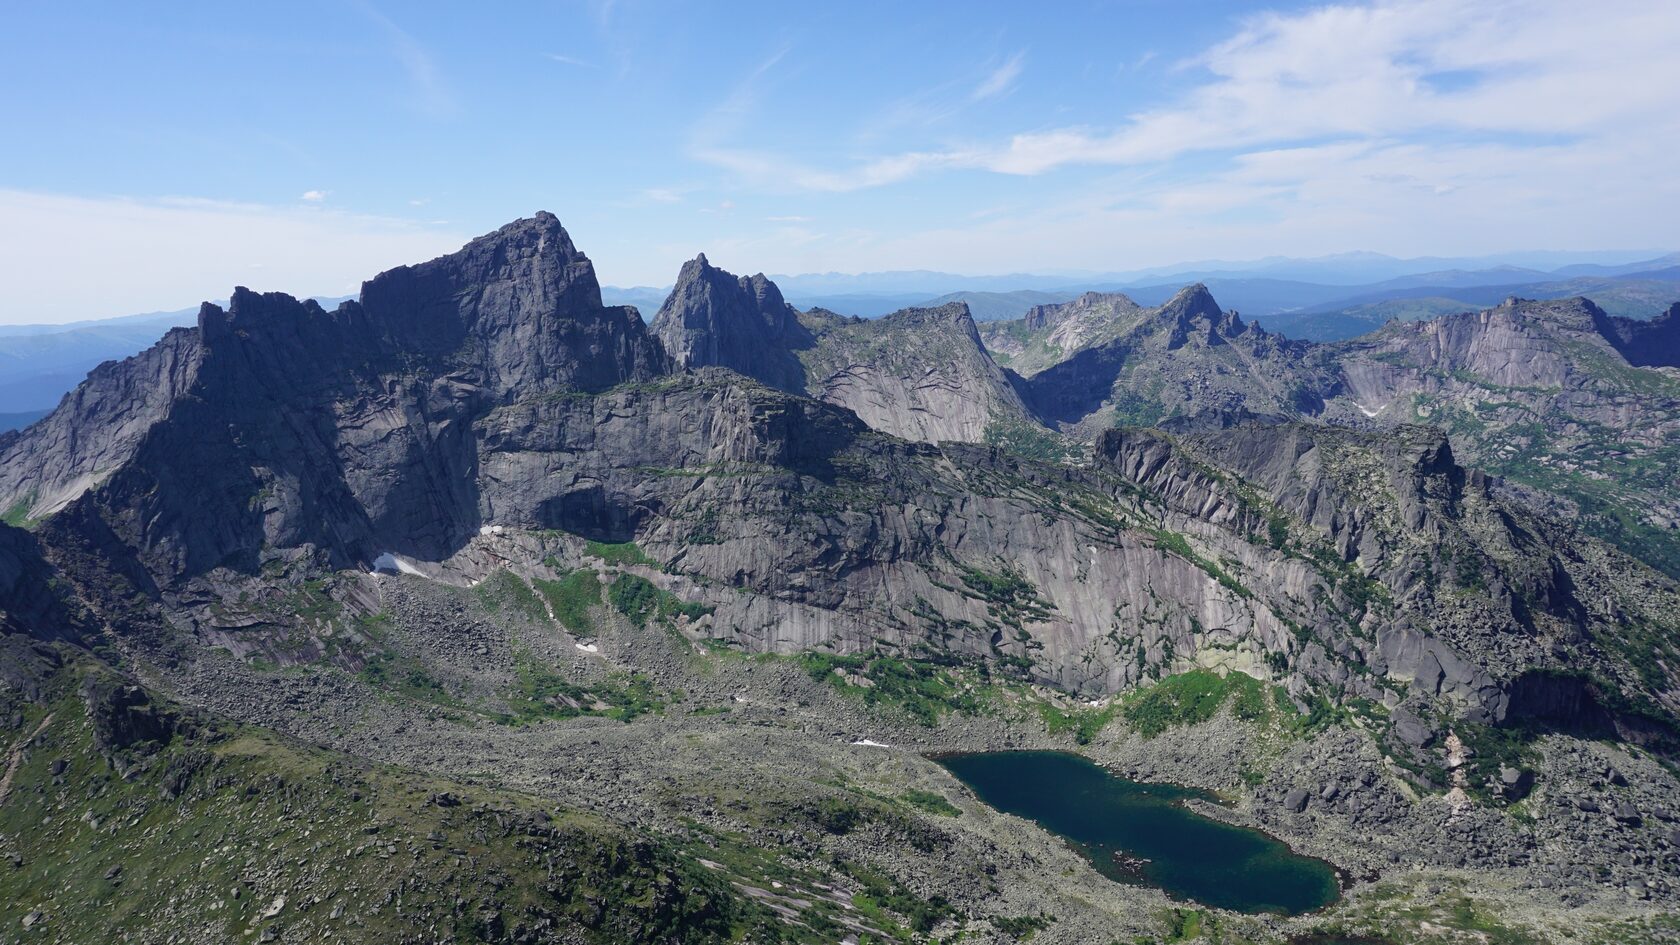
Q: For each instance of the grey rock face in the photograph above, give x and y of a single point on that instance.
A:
(921, 374)
(1394, 505)
(1409, 729)
(1296, 800)
(1654, 343)
(1102, 360)
(1049, 333)
(96, 428)
(36, 610)
(1542, 392)
(714, 319)
(1555, 395)
(283, 425)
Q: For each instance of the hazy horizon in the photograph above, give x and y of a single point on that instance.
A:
(884, 283)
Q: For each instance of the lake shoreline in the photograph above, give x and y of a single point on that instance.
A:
(1146, 833)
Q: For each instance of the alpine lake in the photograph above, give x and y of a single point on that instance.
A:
(1143, 834)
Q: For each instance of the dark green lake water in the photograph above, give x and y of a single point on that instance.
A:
(1158, 841)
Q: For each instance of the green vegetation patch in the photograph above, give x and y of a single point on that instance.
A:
(312, 601)
(1491, 749)
(1083, 721)
(251, 836)
(620, 553)
(1194, 697)
(1031, 441)
(17, 514)
(1132, 409)
(1445, 915)
(406, 677)
(571, 598)
(932, 802)
(1175, 543)
(923, 690)
(1009, 596)
(880, 894)
(504, 592)
(543, 693)
(637, 598)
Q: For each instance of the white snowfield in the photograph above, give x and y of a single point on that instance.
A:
(389, 562)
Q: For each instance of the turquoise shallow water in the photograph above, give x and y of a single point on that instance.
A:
(1142, 834)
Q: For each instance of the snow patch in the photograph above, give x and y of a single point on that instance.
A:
(587, 647)
(389, 563)
(1367, 412)
(870, 744)
(490, 529)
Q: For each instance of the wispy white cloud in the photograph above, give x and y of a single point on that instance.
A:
(1361, 72)
(732, 114)
(1411, 127)
(169, 253)
(603, 10)
(775, 173)
(432, 95)
(566, 60)
(661, 195)
(1394, 196)
(1001, 79)
(314, 196)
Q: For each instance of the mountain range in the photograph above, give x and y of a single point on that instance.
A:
(479, 604)
(40, 363)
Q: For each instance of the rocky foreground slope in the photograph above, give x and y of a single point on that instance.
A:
(479, 527)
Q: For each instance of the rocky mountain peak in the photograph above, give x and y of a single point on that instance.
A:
(513, 315)
(1193, 312)
(713, 318)
(519, 310)
(526, 273)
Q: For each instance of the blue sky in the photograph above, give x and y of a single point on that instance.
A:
(159, 154)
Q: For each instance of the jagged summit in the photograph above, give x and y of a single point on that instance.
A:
(520, 308)
(713, 318)
(298, 399)
(918, 373)
(1102, 359)
(1192, 300)
(1193, 313)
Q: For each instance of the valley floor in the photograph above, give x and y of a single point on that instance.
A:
(800, 784)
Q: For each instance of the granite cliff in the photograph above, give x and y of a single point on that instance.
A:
(920, 374)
